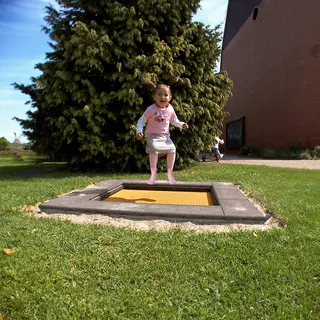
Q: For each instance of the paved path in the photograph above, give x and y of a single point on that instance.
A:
(299, 164)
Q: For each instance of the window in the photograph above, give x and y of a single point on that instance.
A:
(255, 13)
(235, 133)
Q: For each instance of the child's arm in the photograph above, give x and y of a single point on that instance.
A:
(140, 125)
(177, 123)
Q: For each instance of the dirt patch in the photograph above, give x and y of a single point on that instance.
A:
(152, 224)
(160, 225)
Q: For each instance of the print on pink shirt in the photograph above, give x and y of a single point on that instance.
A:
(158, 117)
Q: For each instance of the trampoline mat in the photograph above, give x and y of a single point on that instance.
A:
(199, 198)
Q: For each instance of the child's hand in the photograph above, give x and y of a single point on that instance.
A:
(139, 136)
(185, 126)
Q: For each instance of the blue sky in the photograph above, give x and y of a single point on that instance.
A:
(23, 44)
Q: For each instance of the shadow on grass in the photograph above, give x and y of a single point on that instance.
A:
(26, 170)
(30, 170)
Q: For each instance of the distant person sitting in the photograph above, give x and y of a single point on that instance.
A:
(215, 149)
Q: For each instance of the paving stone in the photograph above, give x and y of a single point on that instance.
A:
(232, 204)
(224, 193)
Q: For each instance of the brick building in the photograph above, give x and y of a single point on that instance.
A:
(271, 51)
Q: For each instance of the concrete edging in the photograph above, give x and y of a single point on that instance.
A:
(232, 205)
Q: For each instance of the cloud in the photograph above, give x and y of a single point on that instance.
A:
(18, 70)
(7, 93)
(212, 12)
(21, 64)
(48, 2)
(12, 97)
(39, 6)
(17, 103)
(14, 76)
(12, 103)
(22, 16)
(18, 27)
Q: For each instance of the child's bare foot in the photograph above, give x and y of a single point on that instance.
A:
(152, 180)
(171, 179)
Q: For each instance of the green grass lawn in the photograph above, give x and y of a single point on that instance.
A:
(61, 270)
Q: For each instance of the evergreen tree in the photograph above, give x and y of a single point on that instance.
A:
(90, 94)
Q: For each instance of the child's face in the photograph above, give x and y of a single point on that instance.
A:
(162, 97)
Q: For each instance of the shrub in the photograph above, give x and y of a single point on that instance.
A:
(269, 154)
(317, 151)
(250, 151)
(4, 144)
(296, 146)
(305, 154)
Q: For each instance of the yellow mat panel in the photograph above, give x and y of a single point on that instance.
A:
(199, 198)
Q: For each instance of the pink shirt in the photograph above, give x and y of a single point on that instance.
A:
(158, 120)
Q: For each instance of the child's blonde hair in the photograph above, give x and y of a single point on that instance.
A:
(154, 86)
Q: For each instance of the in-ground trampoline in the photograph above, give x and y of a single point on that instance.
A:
(206, 201)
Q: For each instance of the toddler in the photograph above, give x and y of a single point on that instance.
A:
(215, 148)
(157, 119)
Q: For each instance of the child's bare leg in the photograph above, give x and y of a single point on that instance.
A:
(171, 157)
(153, 159)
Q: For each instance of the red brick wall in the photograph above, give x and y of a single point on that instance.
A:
(238, 13)
(274, 62)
